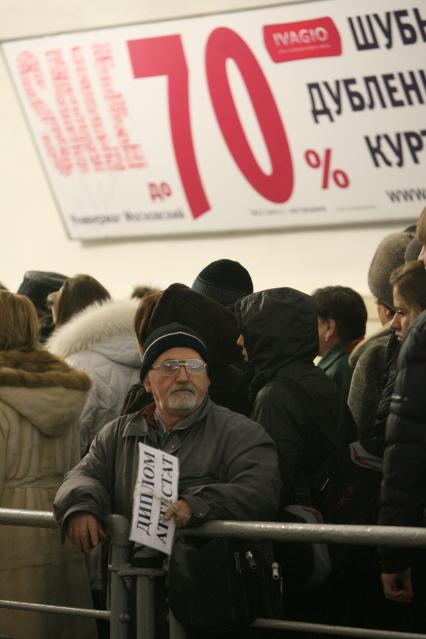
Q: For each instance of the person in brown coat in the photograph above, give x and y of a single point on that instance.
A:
(41, 399)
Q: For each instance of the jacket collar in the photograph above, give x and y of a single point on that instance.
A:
(339, 350)
(140, 423)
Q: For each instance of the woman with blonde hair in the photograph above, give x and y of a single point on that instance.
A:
(41, 398)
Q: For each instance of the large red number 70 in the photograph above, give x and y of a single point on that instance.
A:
(164, 55)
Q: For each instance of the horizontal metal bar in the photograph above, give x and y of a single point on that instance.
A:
(319, 533)
(33, 518)
(311, 533)
(56, 610)
(134, 571)
(340, 631)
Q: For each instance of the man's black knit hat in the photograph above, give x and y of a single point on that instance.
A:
(224, 281)
(170, 336)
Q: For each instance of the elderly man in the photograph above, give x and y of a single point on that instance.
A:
(228, 464)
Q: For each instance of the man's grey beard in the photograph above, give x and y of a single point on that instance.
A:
(183, 401)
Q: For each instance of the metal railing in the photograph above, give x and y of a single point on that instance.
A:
(120, 569)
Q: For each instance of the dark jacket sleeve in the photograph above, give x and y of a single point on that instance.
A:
(375, 443)
(249, 483)
(89, 485)
(403, 492)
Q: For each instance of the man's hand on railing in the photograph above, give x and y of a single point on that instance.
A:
(85, 531)
(398, 586)
(181, 511)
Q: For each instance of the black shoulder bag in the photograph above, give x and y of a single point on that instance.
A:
(223, 584)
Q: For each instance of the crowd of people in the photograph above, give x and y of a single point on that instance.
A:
(224, 378)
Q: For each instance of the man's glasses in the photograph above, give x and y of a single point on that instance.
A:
(171, 366)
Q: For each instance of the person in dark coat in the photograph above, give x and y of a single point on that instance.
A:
(403, 492)
(409, 299)
(306, 415)
(228, 467)
(297, 404)
(408, 285)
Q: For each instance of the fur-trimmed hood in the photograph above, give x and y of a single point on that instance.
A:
(107, 323)
(42, 389)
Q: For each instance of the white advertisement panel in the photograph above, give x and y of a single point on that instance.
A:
(304, 114)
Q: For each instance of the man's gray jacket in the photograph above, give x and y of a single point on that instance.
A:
(228, 467)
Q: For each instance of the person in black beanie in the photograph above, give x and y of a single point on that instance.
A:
(228, 466)
(224, 281)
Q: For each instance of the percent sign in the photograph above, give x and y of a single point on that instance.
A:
(340, 178)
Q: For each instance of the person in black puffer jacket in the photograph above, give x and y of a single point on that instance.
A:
(408, 284)
(373, 440)
(409, 299)
(403, 493)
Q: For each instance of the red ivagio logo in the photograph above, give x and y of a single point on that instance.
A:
(297, 40)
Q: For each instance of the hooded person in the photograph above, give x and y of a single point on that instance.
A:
(217, 326)
(305, 413)
(297, 404)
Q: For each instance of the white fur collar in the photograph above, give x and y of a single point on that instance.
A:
(94, 324)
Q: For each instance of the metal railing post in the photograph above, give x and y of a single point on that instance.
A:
(145, 597)
(118, 528)
(145, 607)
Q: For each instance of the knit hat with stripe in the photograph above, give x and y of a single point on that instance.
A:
(170, 336)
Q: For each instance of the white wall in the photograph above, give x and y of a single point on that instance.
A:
(33, 236)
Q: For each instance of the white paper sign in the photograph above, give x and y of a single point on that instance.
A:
(155, 490)
(304, 114)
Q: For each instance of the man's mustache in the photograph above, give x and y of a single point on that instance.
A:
(189, 389)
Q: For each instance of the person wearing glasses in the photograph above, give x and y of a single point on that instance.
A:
(228, 463)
